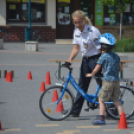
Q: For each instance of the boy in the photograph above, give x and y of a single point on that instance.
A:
(111, 65)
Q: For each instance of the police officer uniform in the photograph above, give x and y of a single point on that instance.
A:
(89, 46)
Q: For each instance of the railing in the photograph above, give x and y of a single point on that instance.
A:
(6, 34)
(34, 35)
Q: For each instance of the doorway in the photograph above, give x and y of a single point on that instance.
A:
(64, 9)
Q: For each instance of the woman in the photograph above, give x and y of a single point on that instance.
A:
(85, 39)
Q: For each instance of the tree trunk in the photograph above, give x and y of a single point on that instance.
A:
(121, 18)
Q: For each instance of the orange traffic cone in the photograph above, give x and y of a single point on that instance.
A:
(55, 96)
(60, 107)
(122, 122)
(9, 77)
(42, 88)
(29, 76)
(0, 126)
(48, 78)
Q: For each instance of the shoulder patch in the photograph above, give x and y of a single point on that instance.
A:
(89, 29)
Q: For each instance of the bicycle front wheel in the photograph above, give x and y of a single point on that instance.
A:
(50, 108)
(127, 101)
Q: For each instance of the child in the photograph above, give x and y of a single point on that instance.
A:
(111, 65)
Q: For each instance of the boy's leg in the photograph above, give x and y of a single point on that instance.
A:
(102, 111)
(102, 108)
(119, 107)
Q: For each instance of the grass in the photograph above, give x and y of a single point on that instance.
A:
(124, 45)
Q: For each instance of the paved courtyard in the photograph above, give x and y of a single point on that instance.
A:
(19, 100)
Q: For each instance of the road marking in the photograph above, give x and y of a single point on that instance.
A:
(12, 129)
(87, 126)
(110, 129)
(47, 125)
(2, 132)
(69, 132)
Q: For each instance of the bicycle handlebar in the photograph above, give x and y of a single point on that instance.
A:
(66, 65)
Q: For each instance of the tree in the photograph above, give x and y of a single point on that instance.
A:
(122, 6)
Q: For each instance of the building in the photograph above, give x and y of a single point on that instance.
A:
(53, 18)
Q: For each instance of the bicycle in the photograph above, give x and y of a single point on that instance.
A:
(57, 98)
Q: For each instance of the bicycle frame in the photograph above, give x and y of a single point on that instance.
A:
(88, 97)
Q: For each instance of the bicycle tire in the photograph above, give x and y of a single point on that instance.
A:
(127, 102)
(48, 109)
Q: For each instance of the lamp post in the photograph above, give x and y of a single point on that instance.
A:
(28, 29)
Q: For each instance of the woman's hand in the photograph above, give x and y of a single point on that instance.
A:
(89, 75)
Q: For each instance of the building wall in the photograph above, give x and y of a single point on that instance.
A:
(16, 31)
(2, 12)
(51, 13)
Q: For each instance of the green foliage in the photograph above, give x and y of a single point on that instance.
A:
(120, 3)
(124, 45)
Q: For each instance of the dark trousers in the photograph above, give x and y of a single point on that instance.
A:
(87, 66)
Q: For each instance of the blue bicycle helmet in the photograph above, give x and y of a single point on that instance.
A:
(107, 41)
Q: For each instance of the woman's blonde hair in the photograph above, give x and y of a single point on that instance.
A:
(81, 14)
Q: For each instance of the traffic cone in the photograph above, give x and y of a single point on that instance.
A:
(48, 78)
(29, 76)
(60, 107)
(9, 77)
(0, 126)
(55, 96)
(122, 122)
(42, 88)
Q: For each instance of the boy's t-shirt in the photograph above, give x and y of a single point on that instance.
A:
(110, 64)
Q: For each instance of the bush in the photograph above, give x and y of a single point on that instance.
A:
(124, 45)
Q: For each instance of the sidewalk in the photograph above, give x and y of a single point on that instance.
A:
(19, 100)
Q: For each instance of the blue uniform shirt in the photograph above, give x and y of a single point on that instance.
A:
(110, 64)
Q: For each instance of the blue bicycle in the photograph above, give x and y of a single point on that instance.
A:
(58, 98)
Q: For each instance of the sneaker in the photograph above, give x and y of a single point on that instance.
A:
(98, 122)
(73, 114)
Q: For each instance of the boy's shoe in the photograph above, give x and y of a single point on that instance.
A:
(98, 122)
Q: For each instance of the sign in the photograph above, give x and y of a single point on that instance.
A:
(67, 1)
(112, 19)
(99, 12)
(128, 8)
(12, 7)
(63, 19)
(35, 1)
(110, 9)
(13, 0)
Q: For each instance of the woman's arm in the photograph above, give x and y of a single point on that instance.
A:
(74, 52)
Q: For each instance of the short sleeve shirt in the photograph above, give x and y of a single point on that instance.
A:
(87, 40)
(110, 64)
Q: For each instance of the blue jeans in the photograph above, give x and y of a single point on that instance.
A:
(87, 66)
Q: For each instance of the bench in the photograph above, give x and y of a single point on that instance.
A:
(59, 65)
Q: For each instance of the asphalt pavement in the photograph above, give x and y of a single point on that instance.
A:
(19, 100)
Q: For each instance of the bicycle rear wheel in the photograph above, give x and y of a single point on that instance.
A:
(127, 101)
(50, 108)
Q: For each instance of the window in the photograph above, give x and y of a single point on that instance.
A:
(17, 10)
(112, 15)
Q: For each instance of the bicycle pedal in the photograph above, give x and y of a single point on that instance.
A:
(86, 109)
